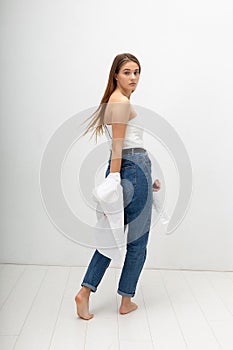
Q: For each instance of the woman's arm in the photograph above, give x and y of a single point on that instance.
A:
(118, 135)
(120, 112)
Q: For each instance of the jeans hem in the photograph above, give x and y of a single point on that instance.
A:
(131, 295)
(93, 289)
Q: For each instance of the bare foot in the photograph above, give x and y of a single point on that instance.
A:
(125, 309)
(82, 304)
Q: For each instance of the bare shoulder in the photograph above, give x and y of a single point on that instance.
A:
(118, 109)
(117, 97)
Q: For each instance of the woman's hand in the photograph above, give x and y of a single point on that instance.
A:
(156, 186)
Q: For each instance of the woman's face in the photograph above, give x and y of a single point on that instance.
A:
(128, 76)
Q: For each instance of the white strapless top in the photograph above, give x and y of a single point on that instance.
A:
(133, 135)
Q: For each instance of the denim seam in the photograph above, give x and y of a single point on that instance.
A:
(133, 167)
(125, 294)
(93, 288)
(93, 269)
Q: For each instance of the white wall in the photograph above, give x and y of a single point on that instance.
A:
(55, 61)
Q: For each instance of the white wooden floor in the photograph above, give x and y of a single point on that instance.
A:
(177, 310)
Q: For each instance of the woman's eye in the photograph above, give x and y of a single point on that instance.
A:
(127, 73)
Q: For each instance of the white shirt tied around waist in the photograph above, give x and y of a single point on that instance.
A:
(110, 229)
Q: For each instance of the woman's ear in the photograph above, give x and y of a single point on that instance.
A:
(115, 76)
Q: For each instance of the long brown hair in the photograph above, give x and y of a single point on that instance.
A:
(111, 86)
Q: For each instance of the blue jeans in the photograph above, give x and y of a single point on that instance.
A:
(137, 193)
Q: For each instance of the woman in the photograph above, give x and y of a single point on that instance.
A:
(128, 161)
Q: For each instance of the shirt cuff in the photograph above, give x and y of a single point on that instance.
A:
(115, 175)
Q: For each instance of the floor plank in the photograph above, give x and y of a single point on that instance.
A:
(7, 342)
(196, 330)
(160, 312)
(206, 296)
(19, 302)
(40, 322)
(9, 276)
(223, 285)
